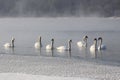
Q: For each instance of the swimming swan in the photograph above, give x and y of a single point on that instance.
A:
(10, 45)
(38, 44)
(101, 46)
(93, 48)
(64, 48)
(83, 43)
(50, 46)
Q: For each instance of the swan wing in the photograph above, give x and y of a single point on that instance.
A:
(61, 48)
(103, 47)
(92, 48)
(80, 44)
(37, 45)
(6, 45)
(48, 47)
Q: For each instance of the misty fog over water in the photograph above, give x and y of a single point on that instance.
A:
(58, 8)
(60, 24)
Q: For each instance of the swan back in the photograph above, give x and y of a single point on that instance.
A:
(80, 44)
(7, 45)
(102, 47)
(48, 46)
(61, 48)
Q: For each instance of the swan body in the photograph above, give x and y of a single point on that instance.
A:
(50, 46)
(61, 48)
(9, 45)
(83, 43)
(38, 44)
(80, 44)
(101, 46)
(64, 48)
(93, 48)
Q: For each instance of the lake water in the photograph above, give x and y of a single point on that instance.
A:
(26, 31)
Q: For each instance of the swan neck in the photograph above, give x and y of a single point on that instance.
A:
(12, 43)
(86, 42)
(52, 43)
(100, 43)
(40, 41)
(95, 43)
(69, 46)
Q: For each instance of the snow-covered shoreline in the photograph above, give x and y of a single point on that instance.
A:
(52, 66)
(21, 76)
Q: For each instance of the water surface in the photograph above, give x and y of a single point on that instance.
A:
(27, 30)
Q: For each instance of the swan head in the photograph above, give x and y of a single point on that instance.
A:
(52, 39)
(85, 38)
(100, 38)
(13, 38)
(70, 41)
(95, 39)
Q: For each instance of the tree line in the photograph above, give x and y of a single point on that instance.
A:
(54, 8)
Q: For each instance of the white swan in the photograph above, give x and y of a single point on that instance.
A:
(10, 45)
(101, 46)
(50, 46)
(83, 43)
(93, 48)
(64, 48)
(38, 44)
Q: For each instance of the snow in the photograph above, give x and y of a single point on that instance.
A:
(19, 67)
(20, 76)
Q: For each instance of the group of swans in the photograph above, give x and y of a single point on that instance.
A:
(82, 43)
(94, 47)
(38, 45)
